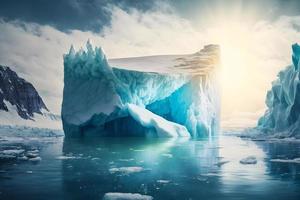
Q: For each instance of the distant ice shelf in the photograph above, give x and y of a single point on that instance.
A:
(152, 96)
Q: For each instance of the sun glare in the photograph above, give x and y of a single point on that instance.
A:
(237, 58)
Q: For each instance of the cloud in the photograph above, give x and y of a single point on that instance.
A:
(35, 51)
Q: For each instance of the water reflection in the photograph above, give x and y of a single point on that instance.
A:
(177, 169)
(165, 169)
(170, 168)
(281, 151)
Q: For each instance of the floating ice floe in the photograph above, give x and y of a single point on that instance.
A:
(163, 181)
(23, 158)
(126, 170)
(34, 151)
(32, 155)
(295, 160)
(126, 160)
(167, 155)
(248, 160)
(13, 151)
(211, 174)
(138, 150)
(219, 164)
(36, 159)
(126, 196)
(65, 157)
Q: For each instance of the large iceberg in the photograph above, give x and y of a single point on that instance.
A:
(155, 96)
(283, 101)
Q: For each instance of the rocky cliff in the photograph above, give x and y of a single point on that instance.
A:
(19, 93)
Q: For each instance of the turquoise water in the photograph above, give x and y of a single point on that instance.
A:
(163, 169)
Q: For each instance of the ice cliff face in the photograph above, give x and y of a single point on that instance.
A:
(283, 101)
(157, 96)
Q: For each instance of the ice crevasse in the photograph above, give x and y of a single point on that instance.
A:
(283, 101)
(151, 96)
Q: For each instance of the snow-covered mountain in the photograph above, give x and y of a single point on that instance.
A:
(20, 103)
(164, 96)
(283, 101)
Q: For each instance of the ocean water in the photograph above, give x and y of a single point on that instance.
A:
(162, 168)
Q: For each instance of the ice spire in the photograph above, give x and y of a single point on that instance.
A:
(89, 47)
(296, 55)
(71, 51)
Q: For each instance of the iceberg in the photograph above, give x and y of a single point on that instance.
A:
(152, 96)
(283, 101)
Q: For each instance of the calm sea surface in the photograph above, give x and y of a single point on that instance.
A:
(161, 168)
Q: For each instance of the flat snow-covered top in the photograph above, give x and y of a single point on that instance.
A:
(198, 63)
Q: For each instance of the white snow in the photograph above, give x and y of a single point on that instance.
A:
(198, 63)
(20, 132)
(249, 160)
(163, 127)
(161, 63)
(126, 196)
(45, 120)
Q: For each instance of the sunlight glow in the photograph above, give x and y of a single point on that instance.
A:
(239, 66)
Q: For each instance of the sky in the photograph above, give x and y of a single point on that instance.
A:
(255, 38)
